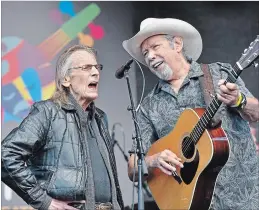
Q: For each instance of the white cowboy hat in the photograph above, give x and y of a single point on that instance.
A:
(154, 26)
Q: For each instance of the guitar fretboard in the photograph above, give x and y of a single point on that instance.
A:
(212, 108)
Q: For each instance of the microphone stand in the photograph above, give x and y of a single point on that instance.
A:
(122, 151)
(115, 142)
(142, 168)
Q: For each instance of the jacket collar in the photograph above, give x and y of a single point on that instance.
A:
(72, 105)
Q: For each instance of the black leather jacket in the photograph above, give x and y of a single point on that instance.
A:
(42, 158)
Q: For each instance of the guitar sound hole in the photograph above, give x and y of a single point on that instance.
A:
(188, 147)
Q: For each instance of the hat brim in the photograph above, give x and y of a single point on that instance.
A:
(191, 38)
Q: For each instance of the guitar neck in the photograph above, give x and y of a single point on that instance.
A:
(212, 108)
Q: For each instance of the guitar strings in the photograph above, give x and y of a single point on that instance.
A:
(187, 145)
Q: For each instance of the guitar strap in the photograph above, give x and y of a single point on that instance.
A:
(208, 92)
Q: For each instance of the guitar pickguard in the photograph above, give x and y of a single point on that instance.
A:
(189, 170)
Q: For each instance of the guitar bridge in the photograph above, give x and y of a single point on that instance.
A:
(177, 177)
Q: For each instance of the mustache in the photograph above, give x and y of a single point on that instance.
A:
(152, 62)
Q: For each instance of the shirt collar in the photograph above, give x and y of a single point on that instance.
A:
(195, 71)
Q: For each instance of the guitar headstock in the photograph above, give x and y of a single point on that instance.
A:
(250, 55)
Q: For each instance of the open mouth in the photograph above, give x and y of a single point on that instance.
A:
(156, 65)
(93, 85)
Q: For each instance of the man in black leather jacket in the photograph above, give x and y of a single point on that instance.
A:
(61, 155)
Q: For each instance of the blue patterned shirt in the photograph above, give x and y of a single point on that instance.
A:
(237, 185)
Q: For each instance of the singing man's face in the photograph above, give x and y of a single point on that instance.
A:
(84, 82)
(158, 54)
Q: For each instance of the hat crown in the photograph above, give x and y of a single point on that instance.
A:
(146, 22)
(175, 27)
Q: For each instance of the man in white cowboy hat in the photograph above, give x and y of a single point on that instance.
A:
(170, 48)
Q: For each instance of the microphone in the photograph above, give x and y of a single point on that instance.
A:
(120, 72)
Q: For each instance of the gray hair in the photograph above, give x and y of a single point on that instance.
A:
(170, 39)
(64, 62)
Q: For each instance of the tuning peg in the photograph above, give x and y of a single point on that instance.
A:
(255, 64)
(251, 43)
(245, 50)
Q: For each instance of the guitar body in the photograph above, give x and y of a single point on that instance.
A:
(201, 165)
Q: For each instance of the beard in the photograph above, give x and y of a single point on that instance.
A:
(165, 74)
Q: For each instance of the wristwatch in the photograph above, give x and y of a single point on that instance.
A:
(243, 102)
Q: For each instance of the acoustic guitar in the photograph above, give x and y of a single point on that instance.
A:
(203, 150)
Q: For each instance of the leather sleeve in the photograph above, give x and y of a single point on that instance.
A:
(17, 148)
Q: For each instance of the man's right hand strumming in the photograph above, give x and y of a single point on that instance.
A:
(166, 161)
